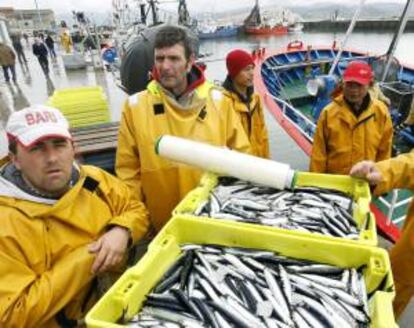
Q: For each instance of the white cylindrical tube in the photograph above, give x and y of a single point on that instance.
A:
(225, 161)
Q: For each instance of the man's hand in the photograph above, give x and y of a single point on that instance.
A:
(366, 170)
(109, 249)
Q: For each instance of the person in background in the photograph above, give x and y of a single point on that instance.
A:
(355, 126)
(63, 226)
(240, 96)
(18, 47)
(8, 62)
(50, 43)
(395, 173)
(40, 51)
(66, 42)
(179, 102)
(26, 38)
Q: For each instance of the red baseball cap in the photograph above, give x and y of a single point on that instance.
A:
(358, 71)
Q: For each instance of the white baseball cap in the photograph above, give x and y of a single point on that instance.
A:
(35, 123)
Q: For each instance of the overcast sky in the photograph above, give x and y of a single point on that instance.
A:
(66, 6)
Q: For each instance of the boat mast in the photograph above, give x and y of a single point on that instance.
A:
(348, 33)
(183, 14)
(254, 18)
(142, 12)
(400, 30)
(152, 6)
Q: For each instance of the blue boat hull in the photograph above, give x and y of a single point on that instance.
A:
(281, 80)
(224, 32)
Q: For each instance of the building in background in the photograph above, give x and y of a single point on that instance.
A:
(29, 20)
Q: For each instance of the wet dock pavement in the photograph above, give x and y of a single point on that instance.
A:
(33, 87)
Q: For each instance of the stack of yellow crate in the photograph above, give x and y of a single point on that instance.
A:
(82, 106)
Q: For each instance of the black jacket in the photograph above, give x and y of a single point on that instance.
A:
(39, 50)
(49, 42)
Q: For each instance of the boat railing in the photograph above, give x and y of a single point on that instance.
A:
(295, 117)
(303, 126)
(393, 205)
(315, 62)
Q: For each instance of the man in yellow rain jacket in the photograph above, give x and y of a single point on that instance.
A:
(240, 95)
(177, 102)
(396, 173)
(354, 127)
(61, 225)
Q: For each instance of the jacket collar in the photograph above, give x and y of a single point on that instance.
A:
(229, 86)
(10, 190)
(365, 104)
(194, 78)
(346, 114)
(11, 195)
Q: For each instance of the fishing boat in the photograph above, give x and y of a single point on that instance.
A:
(258, 24)
(266, 30)
(295, 27)
(212, 31)
(297, 82)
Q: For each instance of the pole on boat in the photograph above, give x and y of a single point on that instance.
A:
(391, 50)
(38, 16)
(345, 40)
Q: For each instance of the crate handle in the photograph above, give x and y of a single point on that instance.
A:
(127, 288)
(168, 240)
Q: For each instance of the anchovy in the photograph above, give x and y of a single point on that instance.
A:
(309, 209)
(310, 319)
(229, 287)
(180, 319)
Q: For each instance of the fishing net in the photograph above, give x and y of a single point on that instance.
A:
(378, 66)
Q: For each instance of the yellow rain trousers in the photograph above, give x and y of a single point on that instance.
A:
(45, 266)
(253, 121)
(398, 173)
(160, 183)
(341, 140)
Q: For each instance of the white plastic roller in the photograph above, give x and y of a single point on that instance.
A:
(224, 161)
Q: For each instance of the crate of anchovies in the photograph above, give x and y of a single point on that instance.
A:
(326, 206)
(210, 273)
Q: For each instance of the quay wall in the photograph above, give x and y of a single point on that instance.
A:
(361, 25)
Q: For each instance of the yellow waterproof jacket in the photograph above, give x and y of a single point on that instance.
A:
(66, 42)
(342, 139)
(253, 121)
(146, 116)
(45, 265)
(398, 173)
